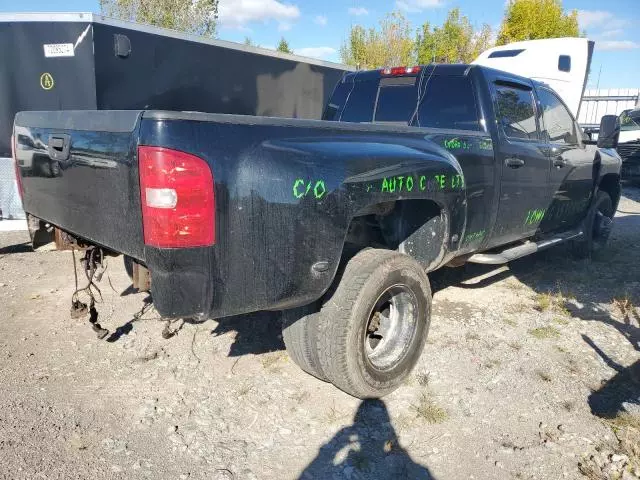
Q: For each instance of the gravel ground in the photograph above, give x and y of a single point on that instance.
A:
(521, 370)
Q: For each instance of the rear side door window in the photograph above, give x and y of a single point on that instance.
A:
(559, 126)
(449, 102)
(516, 112)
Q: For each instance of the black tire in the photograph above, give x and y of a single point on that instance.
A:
(299, 332)
(352, 317)
(597, 227)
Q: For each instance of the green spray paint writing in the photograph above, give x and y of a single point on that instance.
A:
(422, 183)
(303, 188)
(474, 236)
(534, 216)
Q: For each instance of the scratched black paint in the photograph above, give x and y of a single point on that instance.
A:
(269, 237)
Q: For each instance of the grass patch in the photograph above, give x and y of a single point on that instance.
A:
(625, 420)
(626, 308)
(542, 333)
(553, 302)
(544, 301)
(515, 285)
(627, 430)
(561, 349)
(271, 360)
(544, 375)
(510, 322)
(561, 321)
(472, 336)
(428, 410)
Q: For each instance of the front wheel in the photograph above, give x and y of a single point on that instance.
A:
(372, 329)
(597, 227)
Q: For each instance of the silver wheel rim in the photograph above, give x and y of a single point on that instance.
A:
(391, 327)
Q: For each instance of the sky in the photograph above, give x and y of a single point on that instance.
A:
(317, 28)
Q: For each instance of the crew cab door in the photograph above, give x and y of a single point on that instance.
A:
(522, 156)
(572, 164)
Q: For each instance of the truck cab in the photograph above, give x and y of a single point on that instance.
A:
(529, 168)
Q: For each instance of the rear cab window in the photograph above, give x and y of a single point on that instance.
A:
(447, 102)
(397, 99)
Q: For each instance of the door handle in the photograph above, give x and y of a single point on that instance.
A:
(559, 162)
(514, 162)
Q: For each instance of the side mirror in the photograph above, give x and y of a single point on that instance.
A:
(609, 132)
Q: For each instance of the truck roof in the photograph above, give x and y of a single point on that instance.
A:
(440, 69)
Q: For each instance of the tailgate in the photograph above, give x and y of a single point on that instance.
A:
(79, 172)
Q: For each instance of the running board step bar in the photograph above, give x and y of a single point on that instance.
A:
(528, 248)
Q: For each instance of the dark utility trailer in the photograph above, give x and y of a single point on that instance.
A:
(81, 61)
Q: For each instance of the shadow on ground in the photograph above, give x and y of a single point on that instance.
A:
(256, 333)
(368, 449)
(140, 315)
(17, 248)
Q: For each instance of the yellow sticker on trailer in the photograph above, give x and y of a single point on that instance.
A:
(46, 81)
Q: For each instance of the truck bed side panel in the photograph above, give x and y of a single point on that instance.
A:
(286, 191)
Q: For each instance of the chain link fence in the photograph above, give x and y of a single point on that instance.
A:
(10, 204)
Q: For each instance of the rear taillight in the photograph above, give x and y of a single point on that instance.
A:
(178, 202)
(17, 168)
(396, 71)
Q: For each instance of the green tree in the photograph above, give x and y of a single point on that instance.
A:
(455, 41)
(354, 51)
(283, 46)
(390, 44)
(536, 19)
(249, 42)
(191, 16)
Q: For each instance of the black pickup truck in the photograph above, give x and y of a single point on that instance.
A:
(336, 222)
